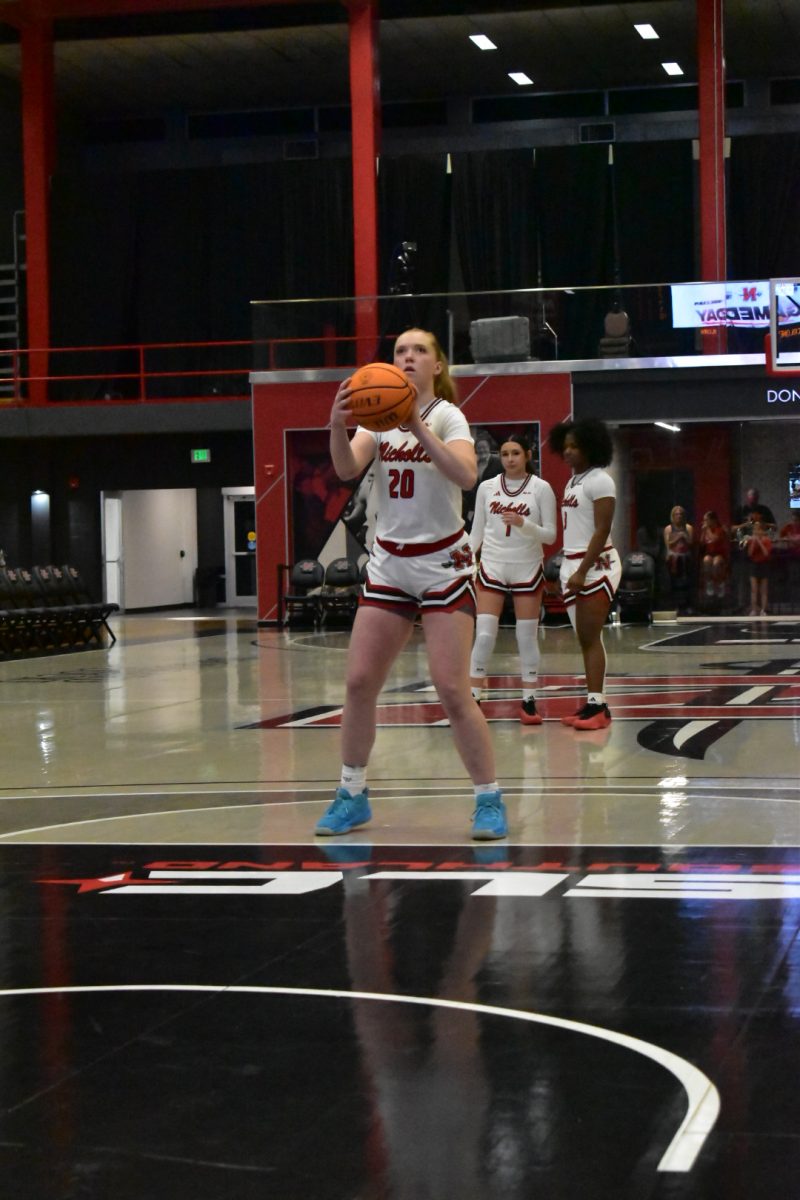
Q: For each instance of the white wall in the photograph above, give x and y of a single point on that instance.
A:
(157, 525)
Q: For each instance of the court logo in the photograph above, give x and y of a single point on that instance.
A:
(602, 880)
(683, 715)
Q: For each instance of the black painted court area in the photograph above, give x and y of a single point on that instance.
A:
(353, 1023)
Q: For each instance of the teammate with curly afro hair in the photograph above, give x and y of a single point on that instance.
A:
(590, 567)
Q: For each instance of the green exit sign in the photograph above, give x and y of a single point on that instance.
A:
(201, 456)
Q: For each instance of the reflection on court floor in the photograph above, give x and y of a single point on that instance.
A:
(198, 999)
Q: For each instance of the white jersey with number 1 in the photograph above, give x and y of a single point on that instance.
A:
(533, 500)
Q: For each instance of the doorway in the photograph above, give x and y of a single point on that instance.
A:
(149, 547)
(241, 589)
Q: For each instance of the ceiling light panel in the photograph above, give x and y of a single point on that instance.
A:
(647, 32)
(482, 41)
(521, 78)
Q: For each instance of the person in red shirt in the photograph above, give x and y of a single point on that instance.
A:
(790, 534)
(758, 545)
(715, 550)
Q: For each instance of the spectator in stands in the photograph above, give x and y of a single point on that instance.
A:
(715, 552)
(752, 505)
(679, 545)
(758, 545)
(790, 540)
(790, 533)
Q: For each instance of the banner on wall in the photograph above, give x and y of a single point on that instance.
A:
(744, 305)
(318, 498)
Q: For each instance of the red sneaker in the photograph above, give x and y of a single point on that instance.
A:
(573, 717)
(528, 714)
(594, 716)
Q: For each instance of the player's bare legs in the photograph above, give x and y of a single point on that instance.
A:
(377, 638)
(591, 613)
(448, 637)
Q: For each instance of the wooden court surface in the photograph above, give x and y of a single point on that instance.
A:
(197, 995)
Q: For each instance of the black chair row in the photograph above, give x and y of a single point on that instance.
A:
(315, 595)
(48, 610)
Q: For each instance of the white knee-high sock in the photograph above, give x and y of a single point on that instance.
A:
(486, 627)
(529, 655)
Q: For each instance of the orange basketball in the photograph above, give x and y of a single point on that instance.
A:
(382, 396)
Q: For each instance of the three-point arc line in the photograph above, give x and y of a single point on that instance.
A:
(703, 1102)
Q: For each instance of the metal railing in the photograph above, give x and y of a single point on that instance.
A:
(566, 324)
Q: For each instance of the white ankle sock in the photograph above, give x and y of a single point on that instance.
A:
(486, 787)
(353, 779)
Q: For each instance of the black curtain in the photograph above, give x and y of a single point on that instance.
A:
(495, 233)
(413, 206)
(179, 255)
(655, 217)
(495, 218)
(317, 208)
(93, 280)
(576, 241)
(654, 187)
(763, 193)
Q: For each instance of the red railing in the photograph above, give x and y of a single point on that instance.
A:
(151, 373)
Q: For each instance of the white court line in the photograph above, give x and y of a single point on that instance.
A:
(750, 642)
(680, 633)
(688, 731)
(750, 696)
(232, 808)
(412, 790)
(703, 1100)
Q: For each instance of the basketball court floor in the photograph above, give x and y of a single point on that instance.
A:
(198, 998)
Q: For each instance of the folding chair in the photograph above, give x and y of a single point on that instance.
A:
(33, 626)
(14, 636)
(302, 604)
(554, 611)
(634, 597)
(96, 613)
(56, 596)
(340, 592)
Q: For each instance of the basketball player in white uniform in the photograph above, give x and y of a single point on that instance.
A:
(590, 568)
(515, 516)
(421, 562)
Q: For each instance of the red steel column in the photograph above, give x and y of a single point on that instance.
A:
(711, 111)
(38, 146)
(365, 107)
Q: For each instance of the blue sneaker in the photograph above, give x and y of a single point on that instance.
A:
(489, 819)
(347, 812)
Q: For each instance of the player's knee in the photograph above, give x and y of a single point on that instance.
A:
(362, 682)
(486, 627)
(453, 698)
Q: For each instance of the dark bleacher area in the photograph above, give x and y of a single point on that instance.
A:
(47, 610)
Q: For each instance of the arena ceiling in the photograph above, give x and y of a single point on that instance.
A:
(135, 57)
